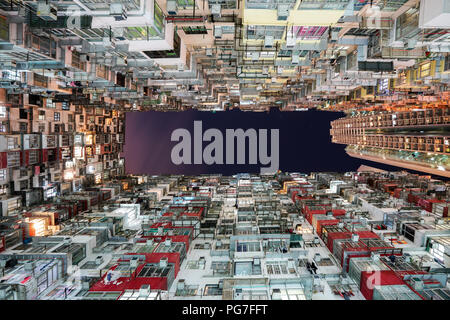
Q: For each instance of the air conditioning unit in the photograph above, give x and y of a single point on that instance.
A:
(144, 290)
(217, 32)
(120, 61)
(334, 35)
(134, 262)
(108, 43)
(98, 260)
(276, 294)
(283, 12)
(84, 57)
(118, 33)
(268, 41)
(171, 7)
(417, 284)
(295, 59)
(163, 262)
(85, 285)
(181, 284)
(22, 66)
(410, 44)
(118, 11)
(209, 52)
(180, 67)
(265, 70)
(216, 10)
(255, 56)
(16, 174)
(46, 11)
(290, 41)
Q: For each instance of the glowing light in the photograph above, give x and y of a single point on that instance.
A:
(68, 175)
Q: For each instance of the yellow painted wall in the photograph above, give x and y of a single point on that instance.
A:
(296, 17)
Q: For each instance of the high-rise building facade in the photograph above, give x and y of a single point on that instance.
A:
(416, 139)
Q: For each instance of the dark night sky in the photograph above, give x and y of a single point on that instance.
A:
(305, 141)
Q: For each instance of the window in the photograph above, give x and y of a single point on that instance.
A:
(23, 127)
(78, 152)
(89, 139)
(41, 127)
(425, 70)
(51, 141)
(23, 114)
(277, 267)
(34, 141)
(23, 173)
(158, 18)
(195, 30)
(23, 184)
(57, 128)
(447, 63)
(3, 174)
(34, 156)
(3, 112)
(256, 32)
(57, 116)
(50, 104)
(50, 193)
(11, 75)
(4, 126)
(78, 138)
(41, 115)
(89, 151)
(13, 159)
(228, 29)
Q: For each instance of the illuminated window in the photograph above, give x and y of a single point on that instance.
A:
(89, 139)
(425, 70)
(69, 164)
(50, 193)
